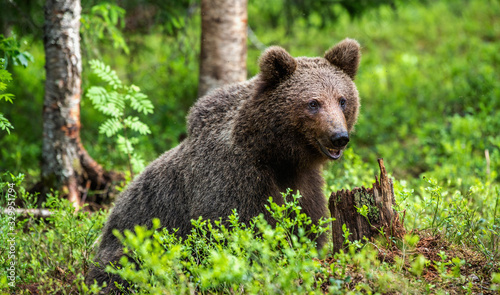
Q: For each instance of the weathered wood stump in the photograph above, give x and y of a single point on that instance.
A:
(379, 201)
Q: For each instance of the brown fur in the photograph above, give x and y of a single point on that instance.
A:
(246, 142)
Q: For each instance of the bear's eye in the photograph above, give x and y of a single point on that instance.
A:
(313, 104)
(342, 102)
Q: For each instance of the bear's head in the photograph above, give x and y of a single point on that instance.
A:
(316, 98)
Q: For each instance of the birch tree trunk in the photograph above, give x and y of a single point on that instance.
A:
(223, 43)
(66, 165)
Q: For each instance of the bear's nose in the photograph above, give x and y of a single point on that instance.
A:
(340, 140)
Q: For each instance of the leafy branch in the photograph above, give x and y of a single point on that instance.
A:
(115, 101)
(104, 22)
(9, 50)
(5, 77)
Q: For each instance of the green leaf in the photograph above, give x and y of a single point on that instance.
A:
(104, 22)
(22, 59)
(110, 127)
(106, 73)
(115, 106)
(125, 146)
(7, 97)
(138, 163)
(111, 110)
(417, 266)
(5, 124)
(136, 125)
(5, 76)
(495, 278)
(97, 95)
(141, 103)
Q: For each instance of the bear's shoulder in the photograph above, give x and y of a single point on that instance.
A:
(214, 110)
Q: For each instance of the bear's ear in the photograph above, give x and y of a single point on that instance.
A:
(346, 56)
(276, 64)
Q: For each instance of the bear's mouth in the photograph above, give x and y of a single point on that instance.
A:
(332, 153)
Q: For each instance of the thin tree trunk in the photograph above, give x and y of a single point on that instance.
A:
(66, 165)
(223, 43)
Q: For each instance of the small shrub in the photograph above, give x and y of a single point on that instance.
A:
(113, 103)
(223, 256)
(52, 254)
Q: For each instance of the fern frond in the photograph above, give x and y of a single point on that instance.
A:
(138, 163)
(106, 73)
(113, 103)
(141, 103)
(97, 95)
(5, 77)
(136, 125)
(111, 110)
(125, 146)
(117, 100)
(109, 103)
(110, 127)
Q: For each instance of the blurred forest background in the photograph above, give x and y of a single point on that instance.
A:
(429, 83)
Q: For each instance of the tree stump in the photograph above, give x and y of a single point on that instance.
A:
(379, 201)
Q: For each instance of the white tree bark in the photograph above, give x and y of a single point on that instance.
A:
(223, 43)
(66, 166)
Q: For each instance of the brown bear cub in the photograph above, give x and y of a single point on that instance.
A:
(246, 142)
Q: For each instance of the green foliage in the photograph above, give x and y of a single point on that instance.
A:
(10, 50)
(496, 282)
(113, 102)
(217, 257)
(50, 252)
(174, 16)
(104, 22)
(286, 13)
(470, 219)
(418, 265)
(5, 77)
(221, 256)
(352, 171)
(19, 149)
